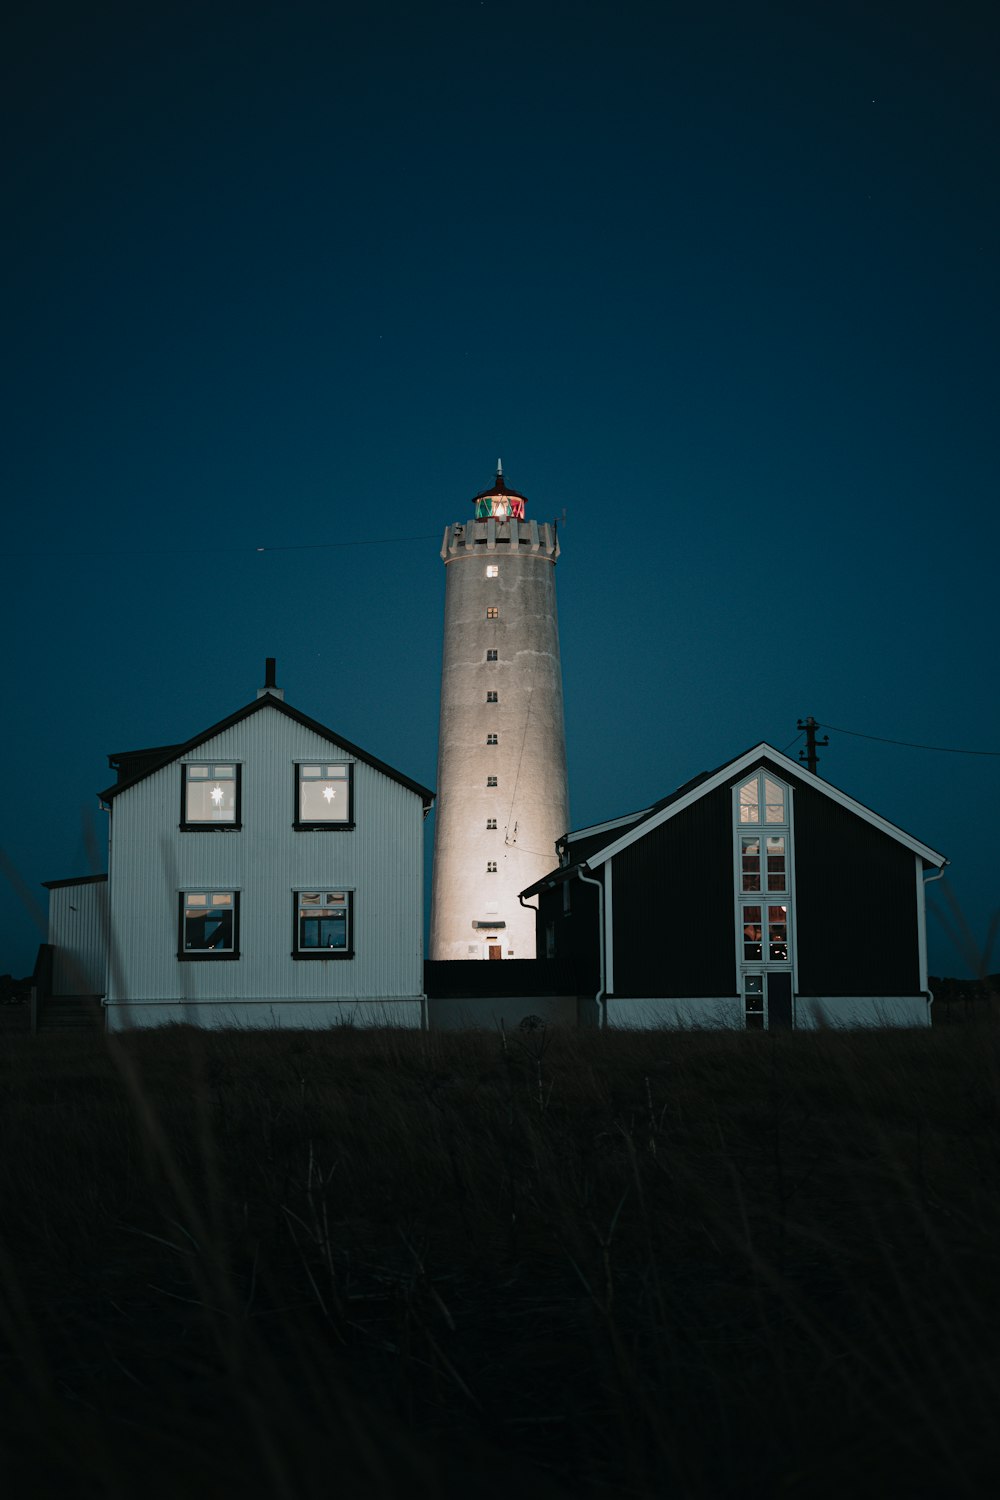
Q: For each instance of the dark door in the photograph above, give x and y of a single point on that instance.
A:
(779, 1001)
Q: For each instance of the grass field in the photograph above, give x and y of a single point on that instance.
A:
(384, 1263)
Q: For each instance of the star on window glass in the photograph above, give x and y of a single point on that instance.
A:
(329, 793)
(217, 795)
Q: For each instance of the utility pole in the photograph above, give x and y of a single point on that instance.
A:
(808, 756)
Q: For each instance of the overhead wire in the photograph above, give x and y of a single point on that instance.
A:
(371, 541)
(909, 744)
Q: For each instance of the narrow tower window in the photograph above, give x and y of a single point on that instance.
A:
(492, 571)
(491, 867)
(492, 613)
(491, 781)
(492, 698)
(491, 822)
(492, 739)
(491, 656)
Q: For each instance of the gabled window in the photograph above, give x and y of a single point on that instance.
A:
(324, 795)
(209, 925)
(210, 796)
(324, 924)
(762, 800)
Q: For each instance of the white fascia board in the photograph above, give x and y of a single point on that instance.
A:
(781, 762)
(584, 833)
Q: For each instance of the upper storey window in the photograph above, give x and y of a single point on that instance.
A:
(324, 795)
(210, 796)
(762, 800)
(492, 613)
(492, 571)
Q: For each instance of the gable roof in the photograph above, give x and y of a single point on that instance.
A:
(675, 802)
(153, 761)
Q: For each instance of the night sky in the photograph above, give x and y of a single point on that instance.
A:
(717, 281)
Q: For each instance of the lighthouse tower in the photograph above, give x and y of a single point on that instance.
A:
(502, 800)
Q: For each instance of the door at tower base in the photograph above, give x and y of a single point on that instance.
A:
(502, 798)
(724, 905)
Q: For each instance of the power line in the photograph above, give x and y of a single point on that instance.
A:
(910, 744)
(377, 541)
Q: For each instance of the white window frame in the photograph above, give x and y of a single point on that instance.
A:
(765, 965)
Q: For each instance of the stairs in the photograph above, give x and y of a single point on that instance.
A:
(81, 1013)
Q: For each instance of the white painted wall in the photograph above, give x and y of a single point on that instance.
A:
(78, 930)
(380, 860)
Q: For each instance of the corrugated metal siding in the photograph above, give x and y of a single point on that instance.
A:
(673, 906)
(576, 934)
(855, 900)
(78, 930)
(380, 860)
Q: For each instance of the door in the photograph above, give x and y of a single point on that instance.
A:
(495, 951)
(767, 1000)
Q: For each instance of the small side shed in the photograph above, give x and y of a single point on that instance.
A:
(755, 896)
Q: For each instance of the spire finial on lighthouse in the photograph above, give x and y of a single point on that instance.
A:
(499, 468)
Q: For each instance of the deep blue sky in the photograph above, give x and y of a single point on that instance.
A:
(717, 280)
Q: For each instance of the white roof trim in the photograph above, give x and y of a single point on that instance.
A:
(583, 833)
(745, 762)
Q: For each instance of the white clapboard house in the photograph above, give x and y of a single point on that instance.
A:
(266, 872)
(756, 896)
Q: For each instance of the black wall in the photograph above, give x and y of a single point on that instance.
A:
(576, 933)
(855, 899)
(672, 898)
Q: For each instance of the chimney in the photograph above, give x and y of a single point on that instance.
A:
(270, 680)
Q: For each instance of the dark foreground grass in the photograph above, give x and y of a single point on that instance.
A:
(384, 1263)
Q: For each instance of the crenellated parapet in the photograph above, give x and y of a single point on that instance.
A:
(523, 538)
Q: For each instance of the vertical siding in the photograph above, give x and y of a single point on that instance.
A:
(78, 930)
(673, 906)
(856, 903)
(380, 860)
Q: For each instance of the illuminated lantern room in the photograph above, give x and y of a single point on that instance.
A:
(499, 502)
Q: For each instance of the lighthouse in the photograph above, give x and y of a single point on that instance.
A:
(502, 797)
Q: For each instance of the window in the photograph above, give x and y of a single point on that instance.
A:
(491, 822)
(492, 613)
(210, 796)
(209, 925)
(751, 802)
(491, 739)
(492, 571)
(763, 897)
(323, 795)
(324, 924)
(753, 1002)
(491, 867)
(491, 781)
(491, 656)
(492, 698)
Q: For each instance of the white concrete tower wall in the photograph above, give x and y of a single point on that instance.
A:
(502, 720)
